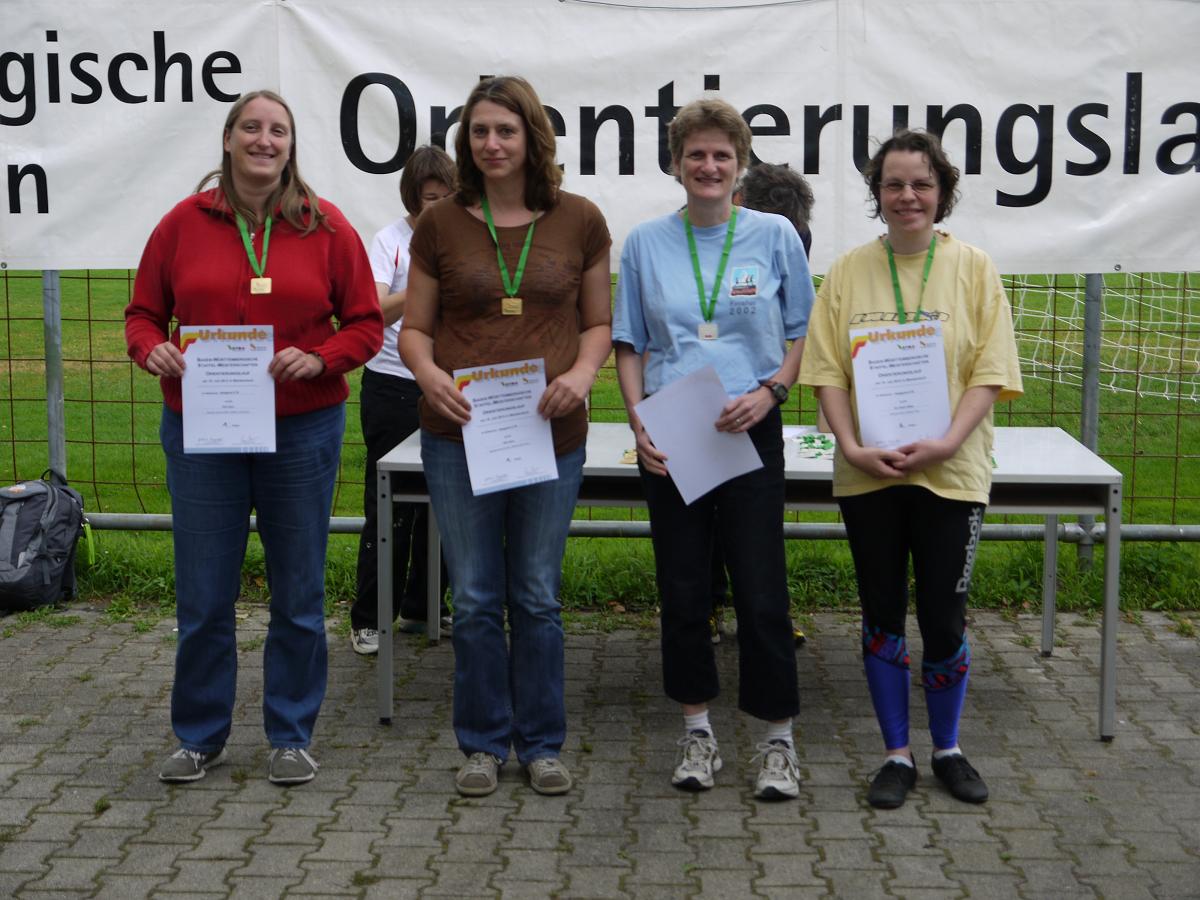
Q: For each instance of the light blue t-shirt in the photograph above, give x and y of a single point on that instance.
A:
(765, 299)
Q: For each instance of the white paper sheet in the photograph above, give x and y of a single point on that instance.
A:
(679, 419)
(228, 397)
(900, 383)
(508, 444)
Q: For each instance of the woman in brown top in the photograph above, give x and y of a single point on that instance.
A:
(511, 268)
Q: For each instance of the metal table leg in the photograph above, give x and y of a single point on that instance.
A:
(1112, 612)
(383, 555)
(1049, 584)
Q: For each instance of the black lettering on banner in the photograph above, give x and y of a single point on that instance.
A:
(162, 63)
(1133, 122)
(85, 78)
(1164, 158)
(936, 122)
(440, 122)
(780, 125)
(814, 122)
(1088, 139)
(1043, 155)
(861, 134)
(589, 126)
(114, 76)
(25, 95)
(406, 115)
(16, 174)
(211, 68)
(664, 112)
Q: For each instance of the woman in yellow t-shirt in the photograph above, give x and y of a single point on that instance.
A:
(923, 498)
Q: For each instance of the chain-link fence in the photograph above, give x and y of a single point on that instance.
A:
(1147, 383)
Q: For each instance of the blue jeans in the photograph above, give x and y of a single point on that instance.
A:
(504, 552)
(212, 495)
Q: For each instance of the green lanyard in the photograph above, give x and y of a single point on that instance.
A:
(258, 267)
(510, 286)
(896, 281)
(707, 309)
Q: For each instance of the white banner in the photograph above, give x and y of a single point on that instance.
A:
(1076, 124)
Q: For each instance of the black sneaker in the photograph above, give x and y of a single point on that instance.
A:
(891, 784)
(960, 778)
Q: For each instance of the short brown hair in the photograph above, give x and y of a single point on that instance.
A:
(542, 175)
(425, 164)
(293, 197)
(700, 115)
(927, 144)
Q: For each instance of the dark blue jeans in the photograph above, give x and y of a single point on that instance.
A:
(504, 552)
(212, 496)
(748, 513)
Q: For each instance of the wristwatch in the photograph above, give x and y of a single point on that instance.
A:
(778, 391)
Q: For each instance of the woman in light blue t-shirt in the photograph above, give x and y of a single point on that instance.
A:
(713, 284)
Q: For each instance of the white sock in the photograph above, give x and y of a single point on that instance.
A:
(697, 722)
(781, 731)
(903, 760)
(953, 751)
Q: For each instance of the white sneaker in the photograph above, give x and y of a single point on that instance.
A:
(778, 775)
(365, 641)
(698, 763)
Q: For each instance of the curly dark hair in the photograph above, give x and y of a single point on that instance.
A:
(778, 189)
(927, 144)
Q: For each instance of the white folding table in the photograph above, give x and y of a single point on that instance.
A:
(1039, 471)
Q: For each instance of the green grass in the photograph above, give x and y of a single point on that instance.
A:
(115, 460)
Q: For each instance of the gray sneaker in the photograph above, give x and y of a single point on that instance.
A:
(698, 762)
(365, 641)
(549, 776)
(291, 765)
(478, 776)
(417, 626)
(189, 765)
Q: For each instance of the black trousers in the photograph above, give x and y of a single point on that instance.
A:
(884, 528)
(388, 411)
(748, 513)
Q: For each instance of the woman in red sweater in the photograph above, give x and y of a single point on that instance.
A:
(260, 248)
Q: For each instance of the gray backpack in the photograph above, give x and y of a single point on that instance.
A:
(40, 524)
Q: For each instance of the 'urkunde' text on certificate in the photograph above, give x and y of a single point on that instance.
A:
(507, 442)
(900, 383)
(228, 397)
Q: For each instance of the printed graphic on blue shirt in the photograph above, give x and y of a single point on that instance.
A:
(744, 281)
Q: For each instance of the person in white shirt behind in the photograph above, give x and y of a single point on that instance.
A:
(388, 412)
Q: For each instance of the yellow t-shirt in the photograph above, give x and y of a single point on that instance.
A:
(965, 294)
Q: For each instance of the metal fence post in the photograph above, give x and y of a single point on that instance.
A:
(1089, 425)
(56, 416)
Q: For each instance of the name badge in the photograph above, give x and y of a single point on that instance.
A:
(510, 306)
(260, 285)
(708, 331)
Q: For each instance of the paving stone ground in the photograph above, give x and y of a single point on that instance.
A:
(84, 725)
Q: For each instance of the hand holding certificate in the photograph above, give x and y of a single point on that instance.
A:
(900, 383)
(507, 443)
(679, 419)
(228, 396)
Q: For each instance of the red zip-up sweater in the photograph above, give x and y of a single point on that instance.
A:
(195, 271)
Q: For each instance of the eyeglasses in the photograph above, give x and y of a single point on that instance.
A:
(922, 186)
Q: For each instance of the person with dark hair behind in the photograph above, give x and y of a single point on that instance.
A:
(259, 248)
(777, 189)
(925, 498)
(388, 410)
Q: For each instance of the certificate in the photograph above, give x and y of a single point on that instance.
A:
(900, 383)
(228, 397)
(679, 419)
(507, 442)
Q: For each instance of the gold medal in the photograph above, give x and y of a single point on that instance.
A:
(260, 285)
(510, 306)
